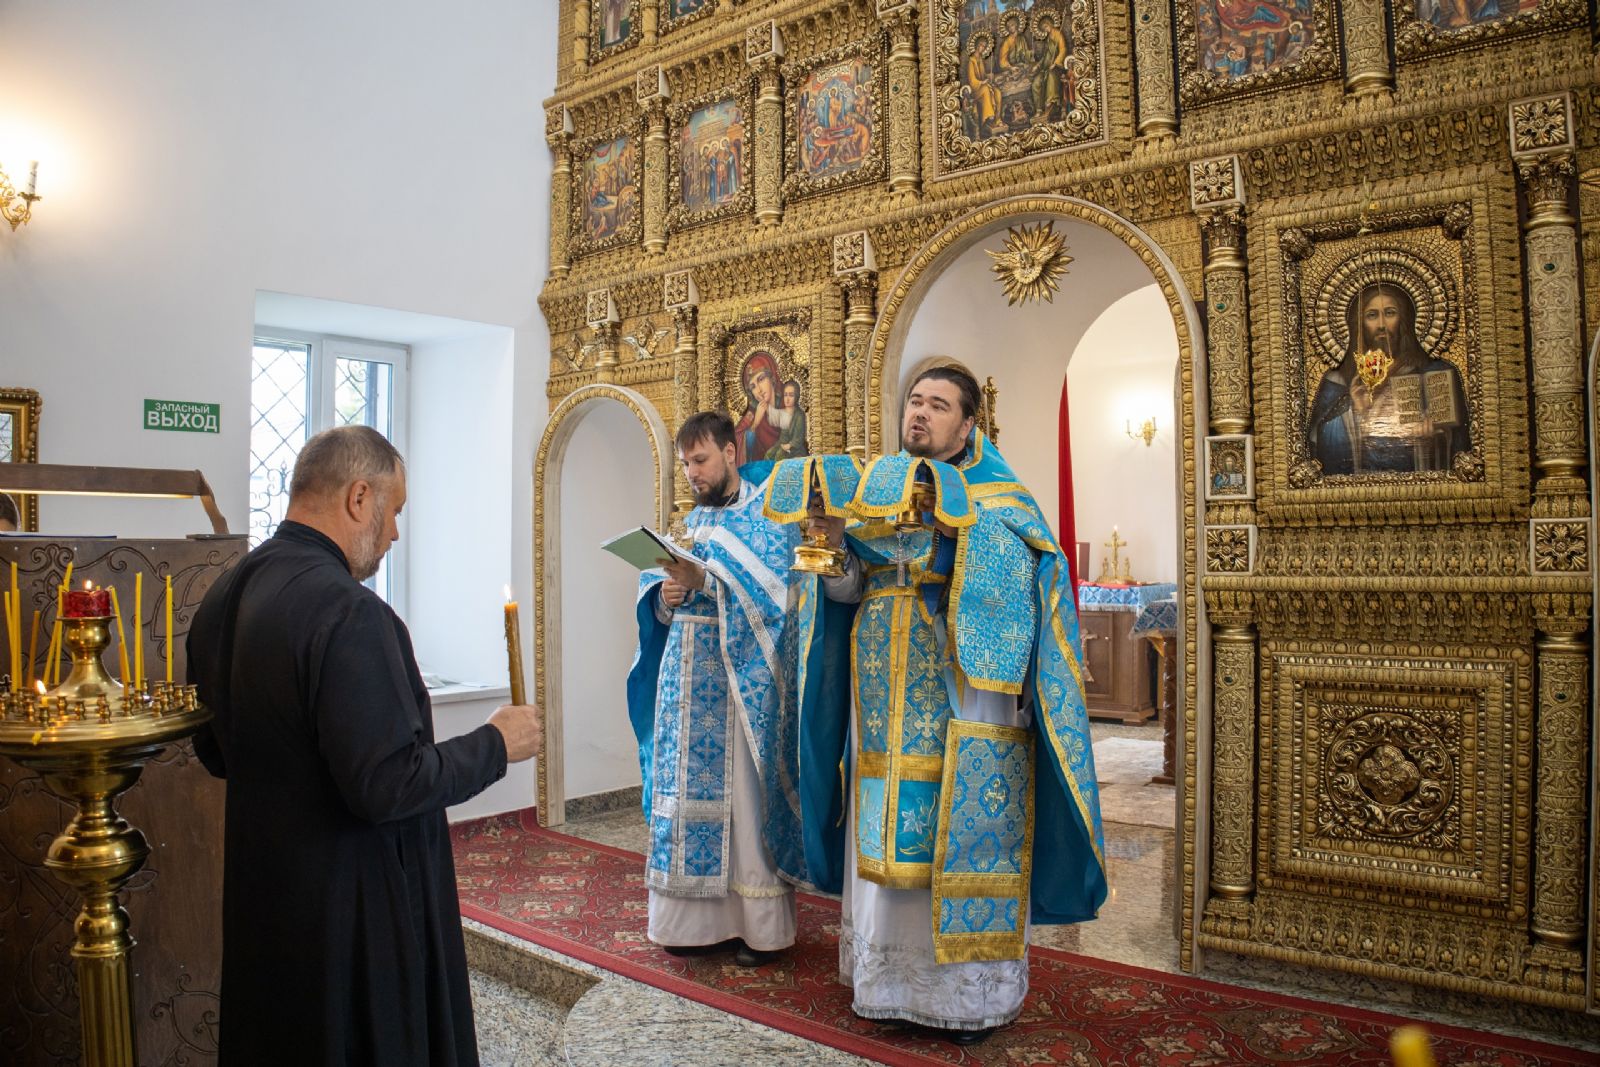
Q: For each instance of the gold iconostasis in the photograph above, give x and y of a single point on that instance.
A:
(1375, 228)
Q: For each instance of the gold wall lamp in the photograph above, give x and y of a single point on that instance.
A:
(1146, 430)
(15, 207)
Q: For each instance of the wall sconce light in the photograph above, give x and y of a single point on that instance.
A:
(1146, 430)
(17, 208)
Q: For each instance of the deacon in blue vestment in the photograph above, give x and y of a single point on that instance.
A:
(714, 699)
(973, 806)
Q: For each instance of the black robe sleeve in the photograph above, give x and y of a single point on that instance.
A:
(370, 729)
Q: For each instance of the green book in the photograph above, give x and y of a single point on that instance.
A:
(644, 548)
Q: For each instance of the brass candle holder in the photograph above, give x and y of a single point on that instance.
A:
(814, 555)
(89, 738)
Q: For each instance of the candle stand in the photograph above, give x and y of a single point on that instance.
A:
(89, 738)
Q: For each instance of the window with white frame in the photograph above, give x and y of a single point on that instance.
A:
(301, 384)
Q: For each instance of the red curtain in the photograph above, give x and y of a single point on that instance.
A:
(1068, 530)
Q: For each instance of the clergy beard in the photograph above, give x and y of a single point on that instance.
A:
(719, 495)
(368, 552)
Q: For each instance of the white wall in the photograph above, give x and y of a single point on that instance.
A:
(1122, 371)
(380, 152)
(607, 486)
(1027, 348)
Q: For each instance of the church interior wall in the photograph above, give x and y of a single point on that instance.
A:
(1121, 373)
(607, 486)
(191, 157)
(1118, 353)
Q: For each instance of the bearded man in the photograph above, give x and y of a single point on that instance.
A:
(714, 699)
(341, 932)
(969, 755)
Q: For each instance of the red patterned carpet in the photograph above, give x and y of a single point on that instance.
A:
(588, 901)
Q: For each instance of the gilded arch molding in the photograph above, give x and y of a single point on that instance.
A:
(898, 305)
(551, 799)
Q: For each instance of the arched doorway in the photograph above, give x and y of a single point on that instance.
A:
(599, 436)
(922, 315)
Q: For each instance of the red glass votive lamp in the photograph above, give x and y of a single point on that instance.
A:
(86, 604)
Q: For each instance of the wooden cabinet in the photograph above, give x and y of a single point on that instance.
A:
(1116, 676)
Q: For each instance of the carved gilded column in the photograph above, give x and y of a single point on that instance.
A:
(763, 50)
(681, 297)
(1152, 52)
(905, 124)
(1233, 765)
(650, 89)
(1216, 192)
(558, 134)
(600, 311)
(1560, 805)
(649, 21)
(580, 34)
(1367, 72)
(1542, 146)
(855, 268)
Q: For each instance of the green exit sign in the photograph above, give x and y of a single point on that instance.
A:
(182, 415)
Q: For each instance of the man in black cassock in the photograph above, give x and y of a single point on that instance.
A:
(342, 938)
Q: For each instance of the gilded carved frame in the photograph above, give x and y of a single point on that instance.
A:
(599, 50)
(23, 406)
(679, 215)
(786, 333)
(631, 233)
(1417, 38)
(1197, 86)
(876, 165)
(671, 22)
(1085, 126)
(1413, 214)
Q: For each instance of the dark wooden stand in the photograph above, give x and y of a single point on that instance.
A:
(1116, 678)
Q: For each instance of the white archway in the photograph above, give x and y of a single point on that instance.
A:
(549, 464)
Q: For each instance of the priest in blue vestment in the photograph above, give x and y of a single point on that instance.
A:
(973, 805)
(715, 698)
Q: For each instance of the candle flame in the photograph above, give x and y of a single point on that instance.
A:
(38, 684)
(508, 594)
(87, 584)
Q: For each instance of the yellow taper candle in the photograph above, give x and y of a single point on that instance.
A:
(138, 630)
(11, 640)
(169, 628)
(514, 650)
(14, 624)
(122, 640)
(33, 646)
(53, 657)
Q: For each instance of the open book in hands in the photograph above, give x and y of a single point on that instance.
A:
(645, 548)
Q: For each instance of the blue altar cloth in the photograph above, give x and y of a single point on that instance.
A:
(1133, 598)
(1156, 618)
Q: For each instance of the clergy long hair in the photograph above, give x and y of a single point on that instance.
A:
(1403, 345)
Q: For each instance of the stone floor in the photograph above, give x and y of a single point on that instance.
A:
(522, 1023)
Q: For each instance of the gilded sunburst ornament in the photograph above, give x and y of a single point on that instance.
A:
(1033, 260)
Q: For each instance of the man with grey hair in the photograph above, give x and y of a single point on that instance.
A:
(341, 932)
